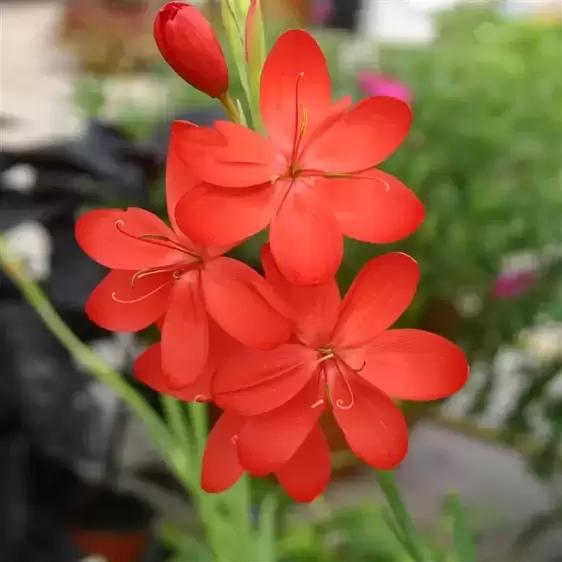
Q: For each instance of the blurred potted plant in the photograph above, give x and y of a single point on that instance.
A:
(109, 37)
(107, 522)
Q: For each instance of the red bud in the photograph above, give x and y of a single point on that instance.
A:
(189, 45)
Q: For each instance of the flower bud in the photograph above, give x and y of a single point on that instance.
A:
(189, 45)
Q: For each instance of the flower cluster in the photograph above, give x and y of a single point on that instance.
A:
(276, 352)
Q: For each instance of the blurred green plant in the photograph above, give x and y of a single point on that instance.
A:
(361, 533)
(484, 156)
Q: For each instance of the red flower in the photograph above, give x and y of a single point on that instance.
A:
(148, 368)
(157, 271)
(304, 475)
(189, 45)
(312, 180)
(343, 358)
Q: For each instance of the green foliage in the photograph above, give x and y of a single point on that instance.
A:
(484, 157)
(90, 96)
(484, 152)
(462, 537)
(355, 535)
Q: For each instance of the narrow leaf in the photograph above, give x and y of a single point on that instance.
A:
(266, 547)
(462, 537)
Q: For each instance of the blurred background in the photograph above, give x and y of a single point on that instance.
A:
(86, 106)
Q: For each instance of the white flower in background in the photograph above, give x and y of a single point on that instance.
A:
(468, 305)
(544, 343)
(521, 260)
(21, 177)
(30, 242)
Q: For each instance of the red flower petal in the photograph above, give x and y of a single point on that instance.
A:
(414, 365)
(315, 308)
(244, 305)
(100, 234)
(192, 137)
(247, 158)
(381, 292)
(306, 239)
(221, 468)
(307, 474)
(224, 216)
(295, 79)
(253, 382)
(179, 177)
(372, 206)
(115, 304)
(185, 335)
(268, 441)
(331, 114)
(363, 138)
(373, 425)
(148, 369)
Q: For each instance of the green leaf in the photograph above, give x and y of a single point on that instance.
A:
(462, 537)
(401, 515)
(233, 15)
(266, 545)
(185, 546)
(393, 526)
(255, 50)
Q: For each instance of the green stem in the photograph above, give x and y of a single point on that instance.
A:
(80, 351)
(401, 515)
(230, 107)
(176, 420)
(207, 503)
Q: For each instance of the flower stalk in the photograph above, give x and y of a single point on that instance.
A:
(231, 108)
(411, 540)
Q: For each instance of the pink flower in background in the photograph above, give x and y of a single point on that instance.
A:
(321, 10)
(374, 84)
(513, 283)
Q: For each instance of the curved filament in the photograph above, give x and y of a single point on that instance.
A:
(301, 123)
(142, 273)
(143, 297)
(340, 403)
(156, 240)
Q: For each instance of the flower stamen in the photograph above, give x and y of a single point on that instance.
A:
(341, 404)
(155, 239)
(337, 176)
(142, 273)
(301, 125)
(325, 354)
(143, 297)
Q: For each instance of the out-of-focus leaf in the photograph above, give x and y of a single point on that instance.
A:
(266, 532)
(462, 536)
